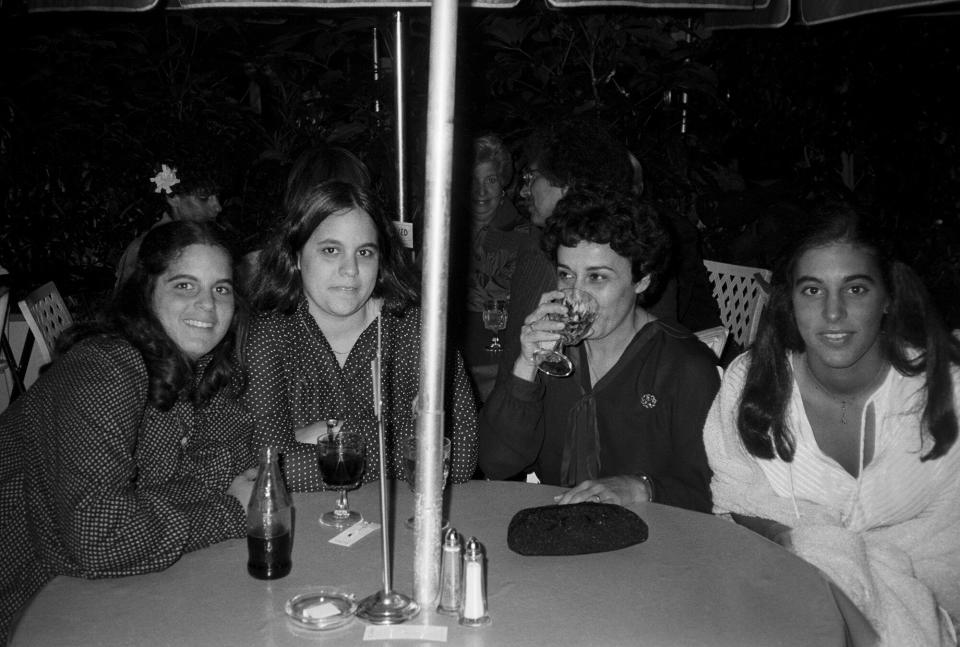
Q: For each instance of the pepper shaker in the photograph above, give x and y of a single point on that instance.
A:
(451, 576)
(473, 610)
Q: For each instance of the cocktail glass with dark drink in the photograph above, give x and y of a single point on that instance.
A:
(341, 458)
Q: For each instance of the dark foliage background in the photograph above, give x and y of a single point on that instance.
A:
(735, 130)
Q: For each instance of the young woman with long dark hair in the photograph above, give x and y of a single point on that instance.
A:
(836, 434)
(332, 286)
(132, 448)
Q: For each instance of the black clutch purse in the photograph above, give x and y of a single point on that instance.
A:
(574, 529)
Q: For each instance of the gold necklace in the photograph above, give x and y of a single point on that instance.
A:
(845, 402)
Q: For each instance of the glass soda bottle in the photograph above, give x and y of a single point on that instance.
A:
(269, 531)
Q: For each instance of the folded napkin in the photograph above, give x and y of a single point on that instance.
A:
(574, 529)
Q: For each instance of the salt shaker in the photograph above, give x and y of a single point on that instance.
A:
(473, 610)
(451, 574)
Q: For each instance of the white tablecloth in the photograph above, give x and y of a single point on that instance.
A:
(697, 581)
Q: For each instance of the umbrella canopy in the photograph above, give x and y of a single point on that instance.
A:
(146, 5)
(776, 13)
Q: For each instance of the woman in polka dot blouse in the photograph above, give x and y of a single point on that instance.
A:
(130, 450)
(334, 269)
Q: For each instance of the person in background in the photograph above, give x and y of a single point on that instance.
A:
(496, 235)
(133, 448)
(626, 425)
(320, 164)
(189, 198)
(836, 434)
(312, 167)
(560, 156)
(332, 290)
(494, 220)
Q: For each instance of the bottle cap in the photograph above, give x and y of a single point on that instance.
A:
(473, 548)
(451, 539)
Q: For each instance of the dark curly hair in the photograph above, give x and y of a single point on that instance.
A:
(579, 151)
(278, 287)
(631, 227)
(911, 324)
(131, 316)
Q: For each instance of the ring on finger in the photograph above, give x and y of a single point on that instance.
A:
(596, 497)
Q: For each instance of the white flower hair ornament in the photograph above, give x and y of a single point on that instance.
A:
(165, 180)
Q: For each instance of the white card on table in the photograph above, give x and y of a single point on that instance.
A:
(436, 633)
(355, 533)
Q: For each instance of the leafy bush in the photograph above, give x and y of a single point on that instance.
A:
(734, 130)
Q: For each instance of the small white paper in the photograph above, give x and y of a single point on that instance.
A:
(355, 533)
(434, 633)
(323, 610)
(405, 229)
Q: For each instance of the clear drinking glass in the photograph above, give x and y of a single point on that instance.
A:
(495, 320)
(410, 465)
(341, 458)
(581, 312)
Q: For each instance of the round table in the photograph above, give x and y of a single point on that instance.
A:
(697, 580)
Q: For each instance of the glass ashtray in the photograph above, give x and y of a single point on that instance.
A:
(321, 609)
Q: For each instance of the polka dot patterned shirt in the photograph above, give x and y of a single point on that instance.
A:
(295, 380)
(96, 483)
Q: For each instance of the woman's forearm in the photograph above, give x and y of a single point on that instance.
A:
(772, 530)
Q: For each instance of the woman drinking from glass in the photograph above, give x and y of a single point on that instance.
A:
(626, 425)
(333, 288)
(835, 436)
(131, 449)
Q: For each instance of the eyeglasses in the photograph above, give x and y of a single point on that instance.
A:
(529, 176)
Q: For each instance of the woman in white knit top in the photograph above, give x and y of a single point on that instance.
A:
(835, 435)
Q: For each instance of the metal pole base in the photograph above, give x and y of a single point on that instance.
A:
(387, 608)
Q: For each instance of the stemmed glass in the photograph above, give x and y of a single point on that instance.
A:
(341, 458)
(495, 320)
(581, 312)
(410, 463)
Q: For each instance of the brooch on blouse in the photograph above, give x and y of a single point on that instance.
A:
(648, 400)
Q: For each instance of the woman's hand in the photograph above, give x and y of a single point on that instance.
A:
(620, 490)
(538, 331)
(242, 486)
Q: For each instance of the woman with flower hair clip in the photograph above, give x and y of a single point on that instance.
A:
(192, 197)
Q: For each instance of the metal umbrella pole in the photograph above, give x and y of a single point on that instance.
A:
(386, 606)
(400, 101)
(428, 494)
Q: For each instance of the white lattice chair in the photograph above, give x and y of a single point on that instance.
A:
(741, 295)
(47, 316)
